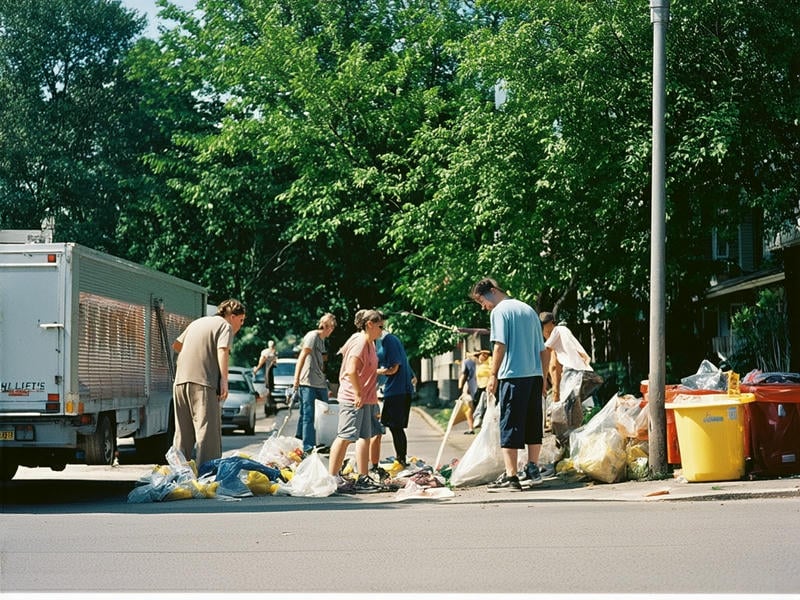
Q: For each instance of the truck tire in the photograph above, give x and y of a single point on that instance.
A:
(101, 446)
(8, 468)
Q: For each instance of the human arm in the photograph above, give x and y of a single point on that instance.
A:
(222, 361)
(548, 363)
(261, 361)
(351, 372)
(299, 366)
(177, 346)
(498, 353)
(388, 370)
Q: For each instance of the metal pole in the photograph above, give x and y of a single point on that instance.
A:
(659, 17)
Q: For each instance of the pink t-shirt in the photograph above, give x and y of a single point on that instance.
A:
(367, 372)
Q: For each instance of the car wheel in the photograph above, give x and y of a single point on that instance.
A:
(251, 426)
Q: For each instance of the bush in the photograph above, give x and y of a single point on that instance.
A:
(760, 335)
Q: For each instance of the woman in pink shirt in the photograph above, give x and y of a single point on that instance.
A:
(358, 398)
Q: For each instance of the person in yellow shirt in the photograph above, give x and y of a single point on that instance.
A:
(483, 371)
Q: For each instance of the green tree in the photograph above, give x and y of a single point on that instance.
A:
(68, 121)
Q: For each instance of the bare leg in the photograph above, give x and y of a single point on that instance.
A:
(338, 450)
(510, 460)
(375, 449)
(362, 456)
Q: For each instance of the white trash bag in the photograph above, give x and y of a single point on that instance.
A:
(483, 460)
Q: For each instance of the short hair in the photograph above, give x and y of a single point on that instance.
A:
(546, 317)
(230, 307)
(484, 286)
(364, 316)
(327, 318)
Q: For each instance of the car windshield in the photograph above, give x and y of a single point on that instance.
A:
(286, 368)
(237, 385)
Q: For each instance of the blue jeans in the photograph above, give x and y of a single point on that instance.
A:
(305, 421)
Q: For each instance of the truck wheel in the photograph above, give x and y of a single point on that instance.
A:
(8, 468)
(102, 445)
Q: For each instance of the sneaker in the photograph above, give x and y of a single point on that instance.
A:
(344, 485)
(534, 476)
(505, 483)
(379, 474)
(365, 485)
(469, 432)
(547, 471)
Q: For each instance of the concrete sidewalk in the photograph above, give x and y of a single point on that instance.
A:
(425, 436)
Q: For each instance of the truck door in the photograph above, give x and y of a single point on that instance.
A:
(31, 333)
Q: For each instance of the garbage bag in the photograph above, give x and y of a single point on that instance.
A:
(708, 377)
(227, 474)
(483, 460)
(311, 479)
(281, 451)
(602, 456)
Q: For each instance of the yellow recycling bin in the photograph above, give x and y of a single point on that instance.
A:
(711, 435)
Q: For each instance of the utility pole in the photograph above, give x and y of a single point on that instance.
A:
(659, 17)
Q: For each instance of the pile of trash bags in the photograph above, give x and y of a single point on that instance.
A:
(281, 468)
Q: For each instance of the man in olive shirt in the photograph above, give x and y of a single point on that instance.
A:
(201, 380)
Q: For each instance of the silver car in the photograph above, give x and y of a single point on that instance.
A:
(283, 379)
(239, 409)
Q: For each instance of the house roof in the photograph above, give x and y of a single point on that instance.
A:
(746, 282)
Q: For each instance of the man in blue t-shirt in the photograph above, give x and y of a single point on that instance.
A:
(397, 391)
(519, 362)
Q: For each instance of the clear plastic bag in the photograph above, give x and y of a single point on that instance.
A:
(483, 460)
(708, 377)
(311, 479)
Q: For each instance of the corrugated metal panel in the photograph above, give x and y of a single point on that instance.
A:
(111, 356)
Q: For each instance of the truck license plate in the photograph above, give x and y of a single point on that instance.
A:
(7, 434)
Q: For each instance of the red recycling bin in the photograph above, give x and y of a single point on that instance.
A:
(774, 423)
(670, 391)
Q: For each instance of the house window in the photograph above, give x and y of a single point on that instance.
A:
(719, 247)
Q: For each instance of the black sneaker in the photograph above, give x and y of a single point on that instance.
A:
(504, 483)
(379, 474)
(365, 485)
(534, 477)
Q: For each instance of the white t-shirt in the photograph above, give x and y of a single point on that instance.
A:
(568, 349)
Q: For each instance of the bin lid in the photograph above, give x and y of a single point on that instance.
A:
(708, 400)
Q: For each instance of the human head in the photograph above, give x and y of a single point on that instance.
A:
(370, 322)
(487, 293)
(548, 323)
(232, 311)
(270, 344)
(482, 355)
(326, 325)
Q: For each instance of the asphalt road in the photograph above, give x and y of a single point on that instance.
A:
(74, 532)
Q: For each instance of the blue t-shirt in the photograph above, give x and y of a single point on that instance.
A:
(391, 352)
(517, 326)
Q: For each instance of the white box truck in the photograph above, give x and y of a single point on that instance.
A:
(85, 354)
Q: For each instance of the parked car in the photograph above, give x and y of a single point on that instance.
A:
(270, 404)
(283, 379)
(247, 372)
(239, 408)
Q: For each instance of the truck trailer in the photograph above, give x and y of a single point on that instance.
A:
(85, 355)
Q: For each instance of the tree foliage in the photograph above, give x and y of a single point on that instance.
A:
(68, 120)
(311, 156)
